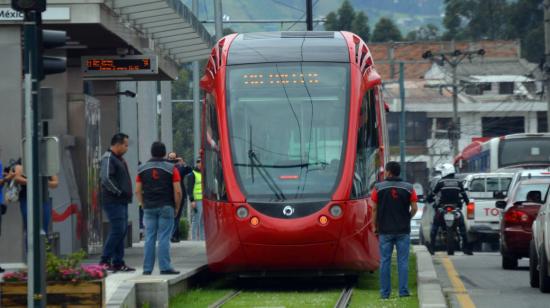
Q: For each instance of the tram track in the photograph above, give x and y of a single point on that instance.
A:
(229, 296)
(343, 300)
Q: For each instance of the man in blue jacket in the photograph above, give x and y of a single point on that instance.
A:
(116, 193)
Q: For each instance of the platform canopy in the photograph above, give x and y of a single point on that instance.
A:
(170, 24)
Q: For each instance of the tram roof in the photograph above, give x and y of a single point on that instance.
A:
(290, 46)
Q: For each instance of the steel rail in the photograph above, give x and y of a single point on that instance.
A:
(229, 296)
(345, 298)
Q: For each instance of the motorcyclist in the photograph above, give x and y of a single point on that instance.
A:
(448, 190)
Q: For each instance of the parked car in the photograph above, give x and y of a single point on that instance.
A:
(539, 249)
(482, 217)
(415, 221)
(517, 218)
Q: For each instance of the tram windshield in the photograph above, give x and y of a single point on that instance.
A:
(287, 125)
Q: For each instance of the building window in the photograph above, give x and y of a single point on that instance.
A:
(542, 122)
(505, 88)
(443, 127)
(416, 128)
(500, 126)
(214, 184)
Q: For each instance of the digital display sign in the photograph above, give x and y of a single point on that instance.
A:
(296, 78)
(119, 65)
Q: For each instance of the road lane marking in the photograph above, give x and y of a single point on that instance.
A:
(459, 289)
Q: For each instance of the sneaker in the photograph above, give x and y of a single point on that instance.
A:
(468, 252)
(107, 266)
(175, 240)
(124, 268)
(146, 273)
(169, 272)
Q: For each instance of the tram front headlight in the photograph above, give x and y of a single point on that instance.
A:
(336, 210)
(242, 212)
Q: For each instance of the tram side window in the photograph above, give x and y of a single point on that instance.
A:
(214, 184)
(366, 160)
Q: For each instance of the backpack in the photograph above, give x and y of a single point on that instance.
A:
(12, 192)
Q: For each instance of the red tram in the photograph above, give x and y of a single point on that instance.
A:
(293, 141)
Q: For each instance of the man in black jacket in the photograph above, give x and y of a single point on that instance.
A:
(116, 193)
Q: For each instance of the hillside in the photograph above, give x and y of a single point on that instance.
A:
(409, 14)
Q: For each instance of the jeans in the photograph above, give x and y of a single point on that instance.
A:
(402, 245)
(197, 222)
(113, 249)
(46, 214)
(159, 223)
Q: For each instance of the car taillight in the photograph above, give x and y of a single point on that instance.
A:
(449, 209)
(470, 210)
(513, 216)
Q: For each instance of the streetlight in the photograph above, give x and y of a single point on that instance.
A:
(453, 58)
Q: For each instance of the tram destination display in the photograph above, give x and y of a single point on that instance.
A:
(107, 66)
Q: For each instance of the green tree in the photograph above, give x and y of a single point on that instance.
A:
(428, 32)
(331, 22)
(360, 26)
(346, 15)
(385, 30)
(525, 22)
(346, 19)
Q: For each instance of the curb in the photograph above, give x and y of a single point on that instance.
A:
(430, 294)
(154, 290)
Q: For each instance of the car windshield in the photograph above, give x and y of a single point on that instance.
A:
(287, 128)
(524, 189)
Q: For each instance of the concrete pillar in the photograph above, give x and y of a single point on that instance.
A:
(166, 133)
(11, 117)
(147, 117)
(128, 110)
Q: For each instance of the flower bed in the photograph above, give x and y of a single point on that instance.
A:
(69, 284)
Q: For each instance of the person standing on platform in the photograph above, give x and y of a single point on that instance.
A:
(394, 204)
(116, 193)
(194, 190)
(158, 190)
(184, 170)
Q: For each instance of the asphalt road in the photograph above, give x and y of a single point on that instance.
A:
(479, 281)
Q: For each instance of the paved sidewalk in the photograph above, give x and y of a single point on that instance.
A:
(187, 257)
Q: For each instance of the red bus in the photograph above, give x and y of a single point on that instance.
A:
(293, 140)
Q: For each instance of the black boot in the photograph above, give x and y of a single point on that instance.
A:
(431, 248)
(467, 249)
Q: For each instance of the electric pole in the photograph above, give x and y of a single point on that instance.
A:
(453, 59)
(309, 15)
(547, 59)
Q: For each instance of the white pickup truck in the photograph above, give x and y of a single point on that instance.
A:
(482, 217)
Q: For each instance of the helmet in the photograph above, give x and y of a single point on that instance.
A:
(446, 169)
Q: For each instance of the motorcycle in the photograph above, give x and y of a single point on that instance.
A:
(451, 216)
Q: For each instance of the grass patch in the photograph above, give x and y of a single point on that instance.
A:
(203, 296)
(290, 299)
(367, 291)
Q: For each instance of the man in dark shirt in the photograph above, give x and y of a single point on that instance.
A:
(184, 170)
(158, 190)
(116, 193)
(394, 204)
